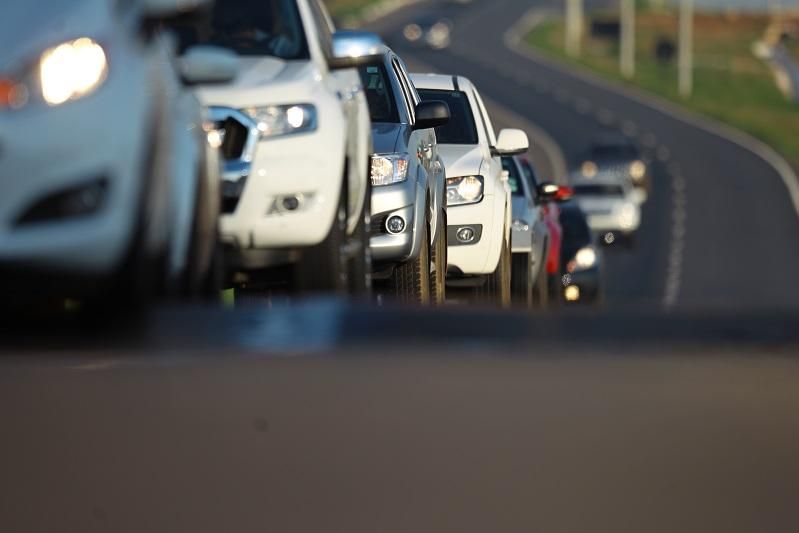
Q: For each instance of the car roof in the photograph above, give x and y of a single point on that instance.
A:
(440, 82)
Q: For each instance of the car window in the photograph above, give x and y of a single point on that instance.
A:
(461, 128)
(514, 177)
(262, 28)
(599, 190)
(376, 86)
(529, 174)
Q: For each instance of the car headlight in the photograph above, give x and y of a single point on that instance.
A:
(464, 190)
(637, 170)
(72, 70)
(584, 259)
(589, 169)
(279, 120)
(388, 169)
(520, 225)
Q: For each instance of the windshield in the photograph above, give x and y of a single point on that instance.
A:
(598, 190)
(376, 85)
(461, 127)
(514, 178)
(249, 28)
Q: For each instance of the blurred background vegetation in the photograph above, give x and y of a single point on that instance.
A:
(734, 79)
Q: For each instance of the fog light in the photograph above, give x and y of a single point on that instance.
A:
(74, 202)
(465, 235)
(395, 225)
(572, 293)
(291, 203)
(609, 238)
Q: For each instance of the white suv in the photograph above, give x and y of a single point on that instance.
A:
(108, 188)
(478, 195)
(297, 141)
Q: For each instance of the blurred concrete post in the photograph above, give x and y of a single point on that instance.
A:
(627, 49)
(574, 26)
(686, 60)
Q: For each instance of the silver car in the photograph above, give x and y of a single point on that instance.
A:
(409, 238)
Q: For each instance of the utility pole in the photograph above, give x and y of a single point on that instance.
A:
(574, 26)
(686, 59)
(627, 48)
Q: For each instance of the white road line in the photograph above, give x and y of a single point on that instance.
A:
(514, 41)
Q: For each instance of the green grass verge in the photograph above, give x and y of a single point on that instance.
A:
(730, 84)
(348, 9)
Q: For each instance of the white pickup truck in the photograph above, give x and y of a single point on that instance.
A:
(297, 142)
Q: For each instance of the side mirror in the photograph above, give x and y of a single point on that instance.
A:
(548, 191)
(353, 49)
(165, 9)
(208, 64)
(431, 114)
(511, 142)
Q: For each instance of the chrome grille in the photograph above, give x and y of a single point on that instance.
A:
(239, 140)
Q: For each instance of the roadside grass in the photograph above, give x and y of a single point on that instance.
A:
(347, 9)
(730, 83)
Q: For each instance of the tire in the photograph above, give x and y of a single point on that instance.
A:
(410, 281)
(521, 281)
(496, 289)
(360, 264)
(324, 268)
(541, 289)
(438, 262)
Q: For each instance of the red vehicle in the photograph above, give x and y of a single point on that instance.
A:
(552, 219)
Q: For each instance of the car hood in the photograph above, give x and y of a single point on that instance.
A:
(461, 160)
(600, 204)
(25, 32)
(264, 81)
(385, 137)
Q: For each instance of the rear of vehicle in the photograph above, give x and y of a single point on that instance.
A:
(610, 208)
(581, 280)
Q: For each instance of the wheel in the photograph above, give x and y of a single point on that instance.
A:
(521, 281)
(410, 280)
(360, 264)
(438, 264)
(541, 289)
(323, 268)
(496, 289)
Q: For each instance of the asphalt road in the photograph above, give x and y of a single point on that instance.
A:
(719, 231)
(327, 416)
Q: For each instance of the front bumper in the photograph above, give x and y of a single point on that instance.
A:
(66, 147)
(262, 227)
(602, 223)
(406, 200)
(587, 281)
(482, 255)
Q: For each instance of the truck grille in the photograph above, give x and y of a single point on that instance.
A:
(237, 150)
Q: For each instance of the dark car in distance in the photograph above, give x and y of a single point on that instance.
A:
(581, 259)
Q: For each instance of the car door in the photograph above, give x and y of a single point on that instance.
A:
(495, 162)
(347, 86)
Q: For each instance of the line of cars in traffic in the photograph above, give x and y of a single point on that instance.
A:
(168, 148)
